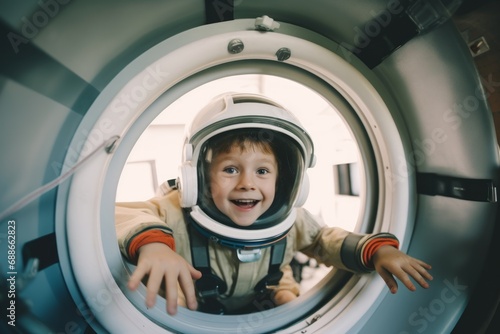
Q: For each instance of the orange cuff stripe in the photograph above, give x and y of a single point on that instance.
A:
(149, 237)
(373, 245)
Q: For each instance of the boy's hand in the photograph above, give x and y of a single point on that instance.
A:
(390, 262)
(160, 262)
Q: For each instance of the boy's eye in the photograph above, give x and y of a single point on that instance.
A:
(262, 171)
(230, 170)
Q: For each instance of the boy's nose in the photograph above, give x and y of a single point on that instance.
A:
(246, 181)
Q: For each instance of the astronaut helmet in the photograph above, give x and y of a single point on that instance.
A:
(230, 117)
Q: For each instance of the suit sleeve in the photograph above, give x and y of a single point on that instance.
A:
(334, 246)
(135, 218)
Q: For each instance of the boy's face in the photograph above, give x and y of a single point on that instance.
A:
(243, 183)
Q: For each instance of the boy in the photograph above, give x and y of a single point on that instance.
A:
(235, 222)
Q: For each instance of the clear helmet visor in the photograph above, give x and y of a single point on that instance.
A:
(290, 170)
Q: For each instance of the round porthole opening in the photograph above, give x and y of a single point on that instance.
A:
(337, 99)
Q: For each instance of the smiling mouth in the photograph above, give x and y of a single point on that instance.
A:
(245, 203)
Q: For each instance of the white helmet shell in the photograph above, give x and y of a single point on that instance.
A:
(227, 113)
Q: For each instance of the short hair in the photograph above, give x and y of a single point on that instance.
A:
(241, 138)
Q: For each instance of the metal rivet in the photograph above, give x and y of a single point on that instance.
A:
(235, 46)
(283, 54)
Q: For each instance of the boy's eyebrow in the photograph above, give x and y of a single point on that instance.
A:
(234, 158)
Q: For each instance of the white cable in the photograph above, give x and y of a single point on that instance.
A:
(108, 146)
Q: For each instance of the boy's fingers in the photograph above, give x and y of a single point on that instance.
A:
(389, 280)
(153, 285)
(171, 291)
(187, 286)
(403, 275)
(136, 277)
(423, 264)
(407, 282)
(424, 273)
(195, 274)
(421, 276)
